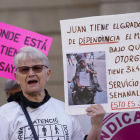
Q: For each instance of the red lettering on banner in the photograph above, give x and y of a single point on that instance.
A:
(105, 135)
(111, 127)
(124, 120)
(137, 116)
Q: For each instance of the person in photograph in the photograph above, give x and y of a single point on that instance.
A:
(74, 56)
(82, 94)
(69, 59)
(11, 87)
(32, 72)
(91, 56)
(85, 54)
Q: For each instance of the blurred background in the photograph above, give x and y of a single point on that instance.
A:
(43, 16)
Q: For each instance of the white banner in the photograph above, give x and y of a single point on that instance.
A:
(108, 48)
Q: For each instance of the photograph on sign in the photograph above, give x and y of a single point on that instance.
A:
(86, 78)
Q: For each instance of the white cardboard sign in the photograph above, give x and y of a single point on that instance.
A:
(112, 45)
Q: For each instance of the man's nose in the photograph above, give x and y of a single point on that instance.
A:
(31, 72)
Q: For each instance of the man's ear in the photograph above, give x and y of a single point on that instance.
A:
(48, 74)
(16, 77)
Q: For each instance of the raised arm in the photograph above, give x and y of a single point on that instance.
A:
(97, 114)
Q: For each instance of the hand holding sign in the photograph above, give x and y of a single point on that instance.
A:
(97, 114)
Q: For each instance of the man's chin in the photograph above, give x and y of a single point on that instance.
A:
(33, 92)
(83, 66)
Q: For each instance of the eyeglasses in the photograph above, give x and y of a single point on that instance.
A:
(26, 69)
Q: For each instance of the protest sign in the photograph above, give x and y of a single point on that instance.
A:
(111, 49)
(116, 126)
(121, 126)
(11, 40)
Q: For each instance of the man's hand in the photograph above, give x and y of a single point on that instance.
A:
(97, 114)
(81, 86)
(95, 72)
(90, 71)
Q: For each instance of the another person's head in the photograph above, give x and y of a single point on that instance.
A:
(32, 70)
(11, 87)
(85, 54)
(81, 60)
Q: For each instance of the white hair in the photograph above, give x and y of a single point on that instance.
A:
(9, 85)
(33, 53)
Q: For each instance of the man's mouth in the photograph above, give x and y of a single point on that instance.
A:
(31, 82)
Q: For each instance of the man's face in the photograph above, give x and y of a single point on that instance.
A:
(32, 83)
(13, 91)
(83, 64)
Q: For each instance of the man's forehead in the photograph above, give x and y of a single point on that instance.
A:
(82, 61)
(29, 61)
(79, 56)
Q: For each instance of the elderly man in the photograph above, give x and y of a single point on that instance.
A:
(47, 114)
(11, 87)
(84, 92)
